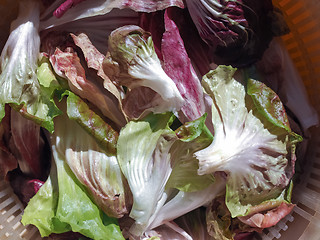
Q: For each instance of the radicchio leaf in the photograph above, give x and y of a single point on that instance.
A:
(87, 9)
(8, 161)
(238, 32)
(179, 68)
(67, 64)
(196, 48)
(94, 60)
(133, 63)
(94, 166)
(28, 143)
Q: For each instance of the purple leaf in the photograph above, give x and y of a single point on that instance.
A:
(179, 68)
(23, 186)
(28, 144)
(64, 7)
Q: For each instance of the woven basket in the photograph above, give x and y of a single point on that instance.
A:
(303, 45)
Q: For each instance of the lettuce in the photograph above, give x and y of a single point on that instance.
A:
(92, 158)
(79, 111)
(143, 148)
(85, 186)
(238, 32)
(179, 68)
(134, 63)
(61, 12)
(67, 64)
(161, 170)
(21, 81)
(253, 144)
(62, 205)
(193, 136)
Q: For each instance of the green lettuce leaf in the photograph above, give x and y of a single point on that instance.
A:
(88, 119)
(193, 136)
(62, 204)
(269, 105)
(256, 154)
(95, 167)
(143, 154)
(20, 70)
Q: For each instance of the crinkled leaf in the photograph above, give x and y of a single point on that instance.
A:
(94, 60)
(19, 82)
(193, 136)
(63, 204)
(278, 72)
(270, 106)
(254, 158)
(67, 65)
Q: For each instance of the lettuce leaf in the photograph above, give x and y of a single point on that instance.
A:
(179, 68)
(67, 64)
(79, 111)
(143, 155)
(95, 167)
(180, 203)
(19, 68)
(193, 136)
(256, 155)
(162, 171)
(94, 60)
(62, 205)
(86, 9)
(134, 63)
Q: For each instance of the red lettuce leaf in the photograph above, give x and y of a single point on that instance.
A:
(94, 60)
(179, 68)
(8, 161)
(236, 32)
(136, 5)
(195, 47)
(268, 219)
(28, 145)
(67, 64)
